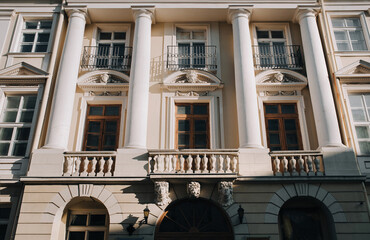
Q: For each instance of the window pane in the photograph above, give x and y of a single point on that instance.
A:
(353, 22)
(274, 138)
(45, 24)
(3, 228)
(273, 124)
(97, 220)
(356, 35)
(199, 35)
(287, 108)
(29, 102)
(337, 22)
(13, 102)
(96, 235)
(78, 220)
(362, 132)
(4, 149)
(110, 140)
(119, 35)
(19, 149)
(184, 125)
(26, 48)
(343, 46)
(291, 139)
(23, 133)
(112, 111)
(43, 37)
(358, 115)
(262, 34)
(200, 109)
(183, 139)
(364, 147)
(4, 212)
(28, 37)
(340, 35)
(182, 35)
(277, 34)
(183, 109)
(26, 116)
(290, 124)
(357, 46)
(76, 236)
(10, 116)
(271, 108)
(355, 100)
(367, 99)
(200, 140)
(94, 126)
(31, 25)
(41, 48)
(105, 36)
(92, 140)
(200, 125)
(96, 111)
(6, 133)
(111, 126)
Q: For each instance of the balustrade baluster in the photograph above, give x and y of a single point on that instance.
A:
(197, 164)
(182, 163)
(221, 164)
(301, 165)
(277, 166)
(227, 164)
(101, 167)
(174, 163)
(189, 163)
(109, 167)
(67, 166)
(285, 166)
(85, 164)
(167, 161)
(205, 164)
(310, 166)
(293, 166)
(316, 161)
(160, 163)
(234, 164)
(77, 165)
(212, 164)
(93, 167)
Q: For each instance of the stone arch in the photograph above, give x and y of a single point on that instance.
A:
(62, 198)
(303, 190)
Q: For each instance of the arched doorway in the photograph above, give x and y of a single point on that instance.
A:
(194, 219)
(305, 218)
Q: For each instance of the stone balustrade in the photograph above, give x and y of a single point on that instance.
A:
(297, 163)
(194, 161)
(89, 164)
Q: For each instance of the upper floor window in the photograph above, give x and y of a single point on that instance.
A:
(192, 125)
(4, 220)
(35, 36)
(282, 126)
(102, 127)
(15, 126)
(349, 35)
(111, 49)
(83, 225)
(360, 109)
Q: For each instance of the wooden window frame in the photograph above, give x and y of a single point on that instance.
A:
(282, 132)
(192, 117)
(87, 228)
(102, 119)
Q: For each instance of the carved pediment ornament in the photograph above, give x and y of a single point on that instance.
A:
(108, 81)
(280, 81)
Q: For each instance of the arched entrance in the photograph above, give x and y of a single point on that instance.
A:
(194, 219)
(305, 218)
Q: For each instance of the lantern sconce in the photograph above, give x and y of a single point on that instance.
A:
(241, 213)
(131, 229)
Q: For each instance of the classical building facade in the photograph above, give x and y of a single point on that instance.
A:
(184, 120)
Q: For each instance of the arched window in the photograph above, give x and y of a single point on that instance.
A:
(195, 219)
(87, 219)
(305, 218)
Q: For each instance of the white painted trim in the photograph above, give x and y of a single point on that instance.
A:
(111, 27)
(272, 26)
(298, 99)
(85, 100)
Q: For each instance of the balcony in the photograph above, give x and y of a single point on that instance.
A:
(193, 161)
(277, 57)
(192, 57)
(89, 164)
(105, 57)
(297, 163)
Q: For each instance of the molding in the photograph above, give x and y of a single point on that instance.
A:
(107, 81)
(22, 74)
(280, 80)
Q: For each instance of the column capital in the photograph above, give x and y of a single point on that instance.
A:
(143, 11)
(305, 12)
(77, 12)
(239, 11)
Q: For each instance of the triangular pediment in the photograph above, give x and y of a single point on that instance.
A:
(22, 69)
(22, 74)
(357, 69)
(192, 80)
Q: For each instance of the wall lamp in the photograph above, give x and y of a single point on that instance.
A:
(131, 229)
(241, 213)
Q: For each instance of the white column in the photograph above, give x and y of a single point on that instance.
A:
(138, 94)
(245, 83)
(321, 95)
(65, 87)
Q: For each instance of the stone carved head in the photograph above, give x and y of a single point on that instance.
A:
(225, 193)
(193, 189)
(162, 193)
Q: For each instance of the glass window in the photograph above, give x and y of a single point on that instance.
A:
(191, 48)
(192, 125)
(4, 220)
(15, 124)
(102, 127)
(87, 226)
(35, 36)
(282, 126)
(111, 50)
(348, 34)
(272, 48)
(360, 107)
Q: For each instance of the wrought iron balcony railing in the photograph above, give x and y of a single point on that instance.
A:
(277, 56)
(192, 57)
(106, 57)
